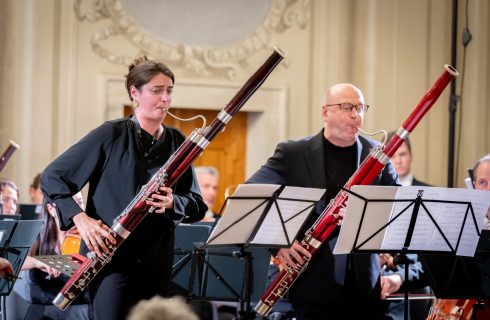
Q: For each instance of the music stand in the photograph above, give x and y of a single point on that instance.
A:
(259, 215)
(30, 211)
(17, 238)
(186, 238)
(402, 223)
(453, 277)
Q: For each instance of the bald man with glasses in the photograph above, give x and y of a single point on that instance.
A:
(333, 286)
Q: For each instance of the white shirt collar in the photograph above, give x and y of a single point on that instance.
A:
(407, 181)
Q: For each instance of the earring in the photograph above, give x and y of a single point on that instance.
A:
(136, 103)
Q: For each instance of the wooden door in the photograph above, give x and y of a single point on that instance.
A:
(227, 152)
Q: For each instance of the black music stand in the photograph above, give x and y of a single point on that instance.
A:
(373, 240)
(453, 277)
(215, 270)
(257, 215)
(187, 236)
(17, 238)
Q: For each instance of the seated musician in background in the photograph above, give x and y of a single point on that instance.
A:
(481, 181)
(332, 286)
(208, 179)
(37, 288)
(9, 197)
(35, 193)
(402, 161)
(116, 160)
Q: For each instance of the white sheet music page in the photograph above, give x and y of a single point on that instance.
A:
(241, 215)
(426, 236)
(450, 217)
(375, 217)
(295, 205)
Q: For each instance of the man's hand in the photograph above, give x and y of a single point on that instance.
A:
(390, 284)
(292, 256)
(93, 233)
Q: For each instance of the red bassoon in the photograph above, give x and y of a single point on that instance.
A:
(328, 221)
(166, 176)
(7, 154)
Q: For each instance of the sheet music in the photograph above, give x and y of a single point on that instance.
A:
(242, 216)
(449, 216)
(233, 216)
(293, 214)
(377, 217)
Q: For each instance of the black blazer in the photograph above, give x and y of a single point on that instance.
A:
(301, 163)
(416, 182)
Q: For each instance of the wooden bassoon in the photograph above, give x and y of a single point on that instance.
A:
(329, 220)
(7, 154)
(166, 176)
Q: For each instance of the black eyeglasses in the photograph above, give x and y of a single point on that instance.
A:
(347, 107)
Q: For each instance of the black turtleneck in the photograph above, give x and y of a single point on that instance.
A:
(340, 164)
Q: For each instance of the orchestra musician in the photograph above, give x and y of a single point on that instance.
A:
(9, 197)
(116, 160)
(331, 283)
(208, 179)
(35, 287)
(481, 181)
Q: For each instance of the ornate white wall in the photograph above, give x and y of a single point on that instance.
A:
(63, 66)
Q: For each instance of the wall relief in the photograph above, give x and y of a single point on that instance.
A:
(210, 38)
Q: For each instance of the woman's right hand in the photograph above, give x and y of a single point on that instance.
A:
(93, 233)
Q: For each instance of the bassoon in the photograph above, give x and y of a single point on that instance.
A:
(329, 219)
(166, 176)
(7, 154)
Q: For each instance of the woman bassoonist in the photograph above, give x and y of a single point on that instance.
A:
(167, 176)
(365, 174)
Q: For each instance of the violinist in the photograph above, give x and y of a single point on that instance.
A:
(39, 284)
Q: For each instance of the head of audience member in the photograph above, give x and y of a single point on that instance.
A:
(51, 235)
(343, 114)
(208, 178)
(481, 173)
(402, 158)
(35, 192)
(9, 197)
(158, 308)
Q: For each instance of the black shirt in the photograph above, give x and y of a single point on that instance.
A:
(111, 161)
(340, 163)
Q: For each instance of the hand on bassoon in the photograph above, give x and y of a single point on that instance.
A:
(290, 257)
(163, 199)
(93, 233)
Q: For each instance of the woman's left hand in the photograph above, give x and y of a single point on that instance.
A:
(162, 201)
(52, 272)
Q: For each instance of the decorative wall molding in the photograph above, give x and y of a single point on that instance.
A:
(204, 61)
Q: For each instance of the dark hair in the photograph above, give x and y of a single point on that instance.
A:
(477, 164)
(36, 182)
(142, 70)
(47, 241)
(407, 141)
